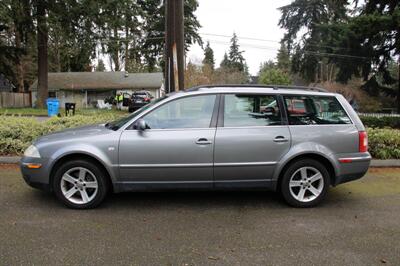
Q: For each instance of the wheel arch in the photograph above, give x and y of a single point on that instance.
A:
(329, 165)
(80, 156)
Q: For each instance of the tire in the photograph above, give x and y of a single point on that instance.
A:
(305, 183)
(80, 184)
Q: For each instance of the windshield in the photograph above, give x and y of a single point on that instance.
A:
(117, 124)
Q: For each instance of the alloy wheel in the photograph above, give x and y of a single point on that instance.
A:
(79, 185)
(306, 184)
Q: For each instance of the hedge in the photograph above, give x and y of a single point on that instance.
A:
(17, 133)
(381, 122)
(384, 143)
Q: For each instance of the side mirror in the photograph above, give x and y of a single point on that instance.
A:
(141, 125)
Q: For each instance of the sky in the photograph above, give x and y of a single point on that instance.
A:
(255, 22)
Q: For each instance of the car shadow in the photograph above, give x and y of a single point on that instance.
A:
(194, 199)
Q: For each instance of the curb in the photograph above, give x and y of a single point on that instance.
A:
(374, 163)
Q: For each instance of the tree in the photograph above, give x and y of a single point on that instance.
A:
(305, 16)
(274, 76)
(225, 62)
(236, 59)
(100, 66)
(283, 58)
(209, 56)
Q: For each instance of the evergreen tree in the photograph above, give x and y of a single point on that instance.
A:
(236, 59)
(209, 56)
(225, 62)
(283, 58)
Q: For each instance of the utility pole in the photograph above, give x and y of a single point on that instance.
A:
(398, 85)
(42, 37)
(174, 46)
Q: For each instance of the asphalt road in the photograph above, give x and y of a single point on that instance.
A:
(358, 224)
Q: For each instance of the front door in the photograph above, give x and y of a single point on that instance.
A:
(177, 147)
(250, 140)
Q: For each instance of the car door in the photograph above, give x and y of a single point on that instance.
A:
(176, 148)
(250, 140)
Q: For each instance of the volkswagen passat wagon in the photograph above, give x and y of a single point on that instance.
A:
(298, 141)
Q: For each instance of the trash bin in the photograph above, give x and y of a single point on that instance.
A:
(53, 104)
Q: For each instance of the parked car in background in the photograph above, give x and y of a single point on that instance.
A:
(139, 99)
(224, 137)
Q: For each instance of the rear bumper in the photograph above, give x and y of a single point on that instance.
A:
(352, 168)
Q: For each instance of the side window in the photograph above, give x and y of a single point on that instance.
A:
(188, 112)
(315, 110)
(251, 110)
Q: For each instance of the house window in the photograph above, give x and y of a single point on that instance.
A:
(52, 94)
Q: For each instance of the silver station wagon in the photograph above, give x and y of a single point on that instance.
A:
(298, 141)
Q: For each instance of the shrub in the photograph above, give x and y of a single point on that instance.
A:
(17, 133)
(381, 122)
(384, 143)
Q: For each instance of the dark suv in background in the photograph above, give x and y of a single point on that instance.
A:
(139, 99)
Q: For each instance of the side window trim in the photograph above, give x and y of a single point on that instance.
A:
(282, 106)
(278, 98)
(215, 114)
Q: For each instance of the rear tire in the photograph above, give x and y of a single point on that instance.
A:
(305, 183)
(80, 184)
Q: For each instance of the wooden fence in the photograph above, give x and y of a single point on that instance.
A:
(15, 99)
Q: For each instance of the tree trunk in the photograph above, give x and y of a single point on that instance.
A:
(42, 36)
(126, 47)
(19, 64)
(116, 52)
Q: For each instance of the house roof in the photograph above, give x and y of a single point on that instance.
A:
(102, 81)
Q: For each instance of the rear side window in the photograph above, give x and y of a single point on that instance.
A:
(315, 110)
(251, 110)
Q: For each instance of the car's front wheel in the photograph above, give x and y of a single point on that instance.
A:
(80, 184)
(305, 183)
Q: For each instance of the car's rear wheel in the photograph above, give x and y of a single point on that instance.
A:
(305, 183)
(80, 184)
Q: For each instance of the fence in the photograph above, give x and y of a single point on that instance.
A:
(378, 115)
(15, 99)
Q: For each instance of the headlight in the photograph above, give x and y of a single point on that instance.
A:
(32, 151)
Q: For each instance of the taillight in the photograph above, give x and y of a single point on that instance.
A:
(147, 99)
(362, 141)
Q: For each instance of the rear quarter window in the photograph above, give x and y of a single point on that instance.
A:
(315, 110)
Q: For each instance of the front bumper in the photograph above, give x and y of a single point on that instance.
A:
(36, 178)
(352, 167)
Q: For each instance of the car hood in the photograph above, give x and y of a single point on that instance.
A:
(74, 133)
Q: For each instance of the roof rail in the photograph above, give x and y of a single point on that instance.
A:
(275, 87)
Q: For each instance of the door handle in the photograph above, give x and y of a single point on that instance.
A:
(203, 141)
(280, 139)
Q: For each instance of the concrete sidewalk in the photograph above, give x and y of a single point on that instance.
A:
(374, 163)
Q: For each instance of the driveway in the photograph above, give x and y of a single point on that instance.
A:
(358, 224)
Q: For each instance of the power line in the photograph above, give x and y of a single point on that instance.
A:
(267, 40)
(315, 53)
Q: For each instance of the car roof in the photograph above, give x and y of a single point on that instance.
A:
(244, 88)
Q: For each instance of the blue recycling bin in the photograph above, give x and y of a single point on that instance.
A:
(53, 104)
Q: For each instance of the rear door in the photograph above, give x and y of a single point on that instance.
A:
(251, 138)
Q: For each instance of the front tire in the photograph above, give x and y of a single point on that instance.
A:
(305, 183)
(80, 184)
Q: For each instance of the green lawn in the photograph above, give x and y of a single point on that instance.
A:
(43, 112)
